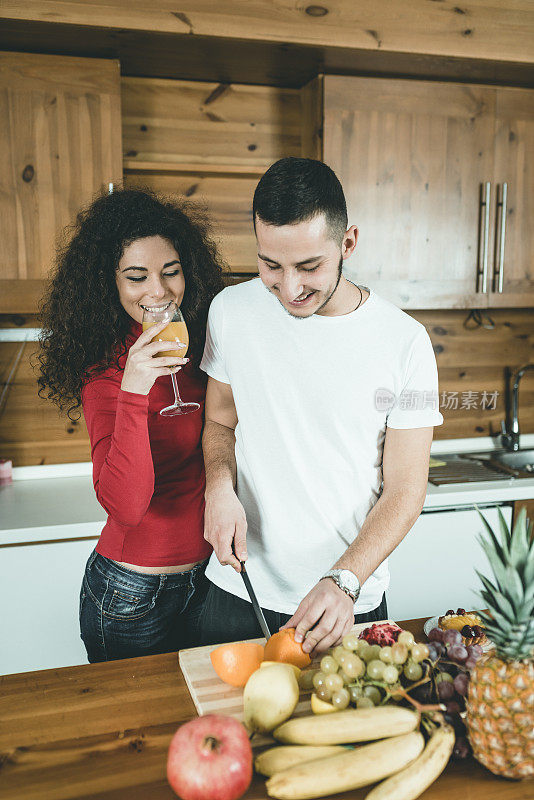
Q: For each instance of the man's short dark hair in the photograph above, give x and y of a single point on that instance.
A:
(295, 190)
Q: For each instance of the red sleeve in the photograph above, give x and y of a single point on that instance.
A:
(123, 472)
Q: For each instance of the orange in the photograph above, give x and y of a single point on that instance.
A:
(234, 663)
(283, 647)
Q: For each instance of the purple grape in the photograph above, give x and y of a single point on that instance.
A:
(462, 748)
(422, 693)
(436, 635)
(432, 651)
(453, 707)
(468, 632)
(457, 723)
(445, 690)
(461, 683)
(475, 649)
(452, 637)
(478, 631)
(458, 653)
(470, 663)
(438, 648)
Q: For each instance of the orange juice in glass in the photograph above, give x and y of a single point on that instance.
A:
(175, 331)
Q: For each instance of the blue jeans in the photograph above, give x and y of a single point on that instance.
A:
(124, 614)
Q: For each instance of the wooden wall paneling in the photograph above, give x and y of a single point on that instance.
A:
(270, 63)
(209, 143)
(20, 296)
(482, 29)
(469, 361)
(168, 121)
(518, 505)
(312, 114)
(514, 164)
(228, 201)
(32, 430)
(475, 360)
(61, 145)
(411, 156)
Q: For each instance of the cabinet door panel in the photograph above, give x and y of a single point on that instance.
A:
(433, 568)
(514, 165)
(39, 592)
(61, 131)
(412, 157)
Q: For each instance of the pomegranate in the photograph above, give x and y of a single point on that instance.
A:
(383, 634)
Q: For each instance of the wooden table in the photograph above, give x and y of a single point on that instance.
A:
(101, 732)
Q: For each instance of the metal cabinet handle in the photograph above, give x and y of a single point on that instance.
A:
(485, 208)
(498, 279)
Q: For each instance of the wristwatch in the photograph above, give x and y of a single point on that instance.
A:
(346, 580)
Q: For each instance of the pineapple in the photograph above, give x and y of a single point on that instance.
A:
(500, 704)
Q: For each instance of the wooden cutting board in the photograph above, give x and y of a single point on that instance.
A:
(212, 696)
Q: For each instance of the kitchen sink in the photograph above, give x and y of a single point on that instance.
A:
(522, 460)
(493, 465)
(466, 468)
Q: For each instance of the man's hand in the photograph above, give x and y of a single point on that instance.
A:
(225, 527)
(330, 610)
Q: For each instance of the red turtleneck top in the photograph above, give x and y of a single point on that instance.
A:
(148, 470)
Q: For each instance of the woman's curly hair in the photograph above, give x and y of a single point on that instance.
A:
(84, 326)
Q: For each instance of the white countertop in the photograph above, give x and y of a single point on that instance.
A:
(482, 492)
(58, 501)
(49, 501)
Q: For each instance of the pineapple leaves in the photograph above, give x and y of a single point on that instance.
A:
(509, 598)
(495, 561)
(494, 598)
(514, 586)
(496, 617)
(493, 544)
(506, 534)
(529, 568)
(519, 543)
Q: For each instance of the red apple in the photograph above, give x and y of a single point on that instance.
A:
(210, 758)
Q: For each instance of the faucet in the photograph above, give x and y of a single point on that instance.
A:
(510, 438)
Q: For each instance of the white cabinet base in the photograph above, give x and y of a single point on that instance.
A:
(39, 604)
(433, 568)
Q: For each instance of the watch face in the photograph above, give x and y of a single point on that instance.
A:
(349, 580)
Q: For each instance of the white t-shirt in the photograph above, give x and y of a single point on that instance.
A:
(313, 398)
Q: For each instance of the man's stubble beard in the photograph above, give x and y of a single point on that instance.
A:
(298, 316)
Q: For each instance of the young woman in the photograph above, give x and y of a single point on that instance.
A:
(144, 584)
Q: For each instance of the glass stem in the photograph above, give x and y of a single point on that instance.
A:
(177, 398)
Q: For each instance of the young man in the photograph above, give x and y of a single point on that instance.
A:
(320, 408)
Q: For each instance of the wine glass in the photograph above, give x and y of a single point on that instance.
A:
(176, 331)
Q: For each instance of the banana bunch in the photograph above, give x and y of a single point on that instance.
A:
(315, 761)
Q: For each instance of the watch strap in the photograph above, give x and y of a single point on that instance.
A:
(335, 575)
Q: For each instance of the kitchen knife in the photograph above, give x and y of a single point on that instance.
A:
(255, 604)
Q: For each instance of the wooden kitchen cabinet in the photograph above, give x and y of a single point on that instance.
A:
(421, 164)
(512, 281)
(209, 143)
(60, 127)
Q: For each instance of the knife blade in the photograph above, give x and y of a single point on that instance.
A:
(254, 601)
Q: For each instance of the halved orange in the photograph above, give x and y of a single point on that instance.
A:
(234, 663)
(283, 647)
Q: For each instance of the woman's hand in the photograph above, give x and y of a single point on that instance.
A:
(142, 367)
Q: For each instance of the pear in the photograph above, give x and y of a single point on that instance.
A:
(270, 697)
